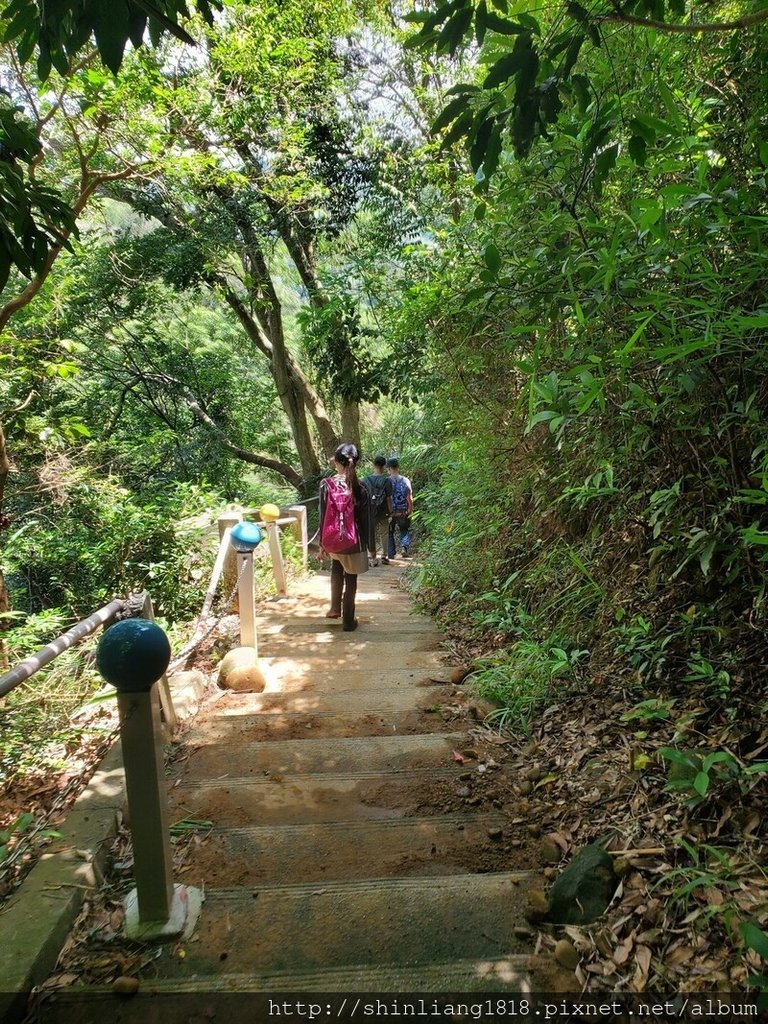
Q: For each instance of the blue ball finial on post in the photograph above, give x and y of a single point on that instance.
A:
(246, 536)
(132, 655)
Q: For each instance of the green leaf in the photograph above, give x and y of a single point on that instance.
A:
(492, 258)
(529, 22)
(758, 322)
(453, 31)
(577, 12)
(701, 783)
(503, 70)
(526, 120)
(581, 88)
(461, 126)
(705, 556)
(464, 90)
(137, 22)
(650, 127)
(493, 151)
(503, 25)
(110, 26)
(571, 55)
(605, 163)
(670, 104)
(480, 142)
(582, 15)
(545, 416)
(754, 938)
(481, 22)
(449, 113)
(638, 150)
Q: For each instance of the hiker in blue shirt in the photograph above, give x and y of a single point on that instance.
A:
(401, 509)
(380, 489)
(345, 532)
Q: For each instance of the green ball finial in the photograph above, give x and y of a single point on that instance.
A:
(132, 655)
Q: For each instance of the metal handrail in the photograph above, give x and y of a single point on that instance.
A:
(26, 668)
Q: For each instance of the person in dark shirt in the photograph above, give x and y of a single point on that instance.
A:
(380, 489)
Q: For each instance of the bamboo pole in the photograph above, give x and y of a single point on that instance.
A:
(218, 568)
(26, 668)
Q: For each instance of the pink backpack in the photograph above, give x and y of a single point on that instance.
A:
(339, 533)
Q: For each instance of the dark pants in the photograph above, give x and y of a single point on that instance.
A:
(343, 592)
(403, 524)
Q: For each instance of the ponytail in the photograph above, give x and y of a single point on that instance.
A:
(348, 456)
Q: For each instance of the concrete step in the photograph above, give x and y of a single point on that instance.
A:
(346, 850)
(296, 799)
(313, 714)
(376, 753)
(371, 700)
(376, 922)
(163, 1000)
(396, 627)
(325, 675)
(338, 649)
(271, 727)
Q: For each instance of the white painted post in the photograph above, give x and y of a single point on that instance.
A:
(247, 596)
(300, 531)
(278, 569)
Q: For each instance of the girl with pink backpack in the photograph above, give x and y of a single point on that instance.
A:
(346, 528)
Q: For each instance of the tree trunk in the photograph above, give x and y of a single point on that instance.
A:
(5, 467)
(350, 422)
(296, 394)
(301, 252)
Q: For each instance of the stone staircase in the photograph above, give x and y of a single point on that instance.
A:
(330, 867)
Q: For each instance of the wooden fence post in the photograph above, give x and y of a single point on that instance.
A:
(299, 530)
(247, 596)
(276, 552)
(132, 656)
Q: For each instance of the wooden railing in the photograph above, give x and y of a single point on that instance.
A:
(157, 908)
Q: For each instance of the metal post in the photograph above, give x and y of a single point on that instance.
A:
(300, 531)
(273, 532)
(229, 574)
(247, 597)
